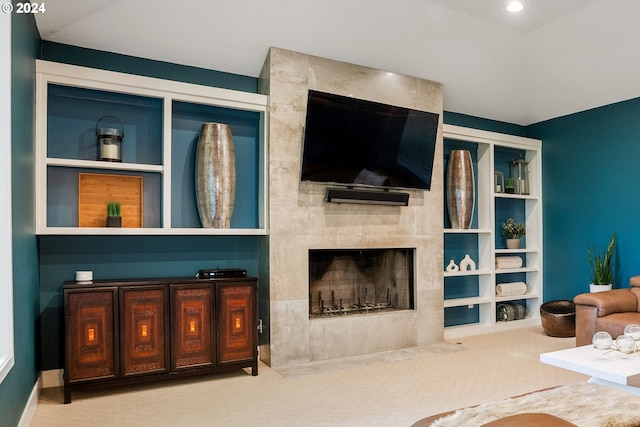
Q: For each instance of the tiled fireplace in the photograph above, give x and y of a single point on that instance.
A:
(301, 223)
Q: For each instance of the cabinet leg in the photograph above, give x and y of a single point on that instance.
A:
(254, 370)
(67, 395)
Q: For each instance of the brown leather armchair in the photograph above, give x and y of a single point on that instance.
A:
(608, 311)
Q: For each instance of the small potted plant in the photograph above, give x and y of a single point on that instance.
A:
(114, 218)
(510, 186)
(601, 266)
(513, 233)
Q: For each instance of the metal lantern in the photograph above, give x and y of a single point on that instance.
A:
(110, 131)
(498, 180)
(520, 175)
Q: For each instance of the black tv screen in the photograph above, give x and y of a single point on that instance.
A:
(362, 143)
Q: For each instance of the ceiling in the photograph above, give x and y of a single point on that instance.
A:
(554, 58)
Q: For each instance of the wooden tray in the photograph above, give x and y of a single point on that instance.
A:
(95, 190)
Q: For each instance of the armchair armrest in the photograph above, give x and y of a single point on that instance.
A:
(608, 302)
(593, 305)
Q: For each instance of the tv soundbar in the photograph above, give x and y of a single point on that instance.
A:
(367, 197)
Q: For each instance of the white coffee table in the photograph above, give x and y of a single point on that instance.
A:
(606, 367)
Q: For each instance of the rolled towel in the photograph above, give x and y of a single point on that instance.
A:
(507, 262)
(510, 289)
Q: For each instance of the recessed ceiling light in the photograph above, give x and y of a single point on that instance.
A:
(515, 6)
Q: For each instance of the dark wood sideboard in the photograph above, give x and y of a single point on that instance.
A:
(128, 331)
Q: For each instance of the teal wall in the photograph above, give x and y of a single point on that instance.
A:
(112, 257)
(589, 172)
(590, 190)
(74, 55)
(17, 386)
(458, 119)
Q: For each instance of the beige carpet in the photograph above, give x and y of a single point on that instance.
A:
(387, 389)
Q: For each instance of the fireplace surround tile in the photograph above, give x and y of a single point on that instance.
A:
(300, 220)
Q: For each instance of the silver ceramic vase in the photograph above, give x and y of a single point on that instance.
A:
(461, 189)
(215, 178)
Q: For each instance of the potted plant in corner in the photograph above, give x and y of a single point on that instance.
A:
(513, 233)
(114, 218)
(601, 267)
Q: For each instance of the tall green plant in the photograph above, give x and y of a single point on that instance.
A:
(601, 263)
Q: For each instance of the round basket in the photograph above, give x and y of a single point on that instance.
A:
(558, 318)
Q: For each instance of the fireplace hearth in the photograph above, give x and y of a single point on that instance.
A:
(359, 281)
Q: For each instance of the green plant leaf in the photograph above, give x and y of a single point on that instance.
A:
(601, 272)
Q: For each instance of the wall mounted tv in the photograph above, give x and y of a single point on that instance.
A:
(362, 143)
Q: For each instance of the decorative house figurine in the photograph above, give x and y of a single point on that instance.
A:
(467, 264)
(452, 266)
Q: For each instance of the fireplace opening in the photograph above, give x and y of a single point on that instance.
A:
(360, 281)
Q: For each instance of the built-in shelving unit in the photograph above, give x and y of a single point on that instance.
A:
(471, 302)
(162, 121)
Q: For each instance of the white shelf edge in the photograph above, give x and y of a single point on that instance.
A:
(515, 196)
(104, 231)
(516, 251)
(461, 302)
(516, 270)
(94, 78)
(467, 273)
(466, 231)
(517, 297)
(95, 164)
(488, 137)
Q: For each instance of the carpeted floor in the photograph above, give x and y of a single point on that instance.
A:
(387, 389)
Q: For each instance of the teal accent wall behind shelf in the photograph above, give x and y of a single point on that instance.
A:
(591, 171)
(19, 383)
(75, 55)
(112, 257)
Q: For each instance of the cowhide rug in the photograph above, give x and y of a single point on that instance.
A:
(584, 404)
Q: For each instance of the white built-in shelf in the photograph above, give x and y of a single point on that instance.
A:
(467, 231)
(94, 164)
(515, 251)
(515, 196)
(459, 302)
(163, 120)
(466, 273)
(532, 295)
(493, 151)
(515, 270)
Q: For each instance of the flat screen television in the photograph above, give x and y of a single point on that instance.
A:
(362, 143)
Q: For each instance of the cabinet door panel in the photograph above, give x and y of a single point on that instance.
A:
(192, 331)
(90, 346)
(236, 320)
(144, 348)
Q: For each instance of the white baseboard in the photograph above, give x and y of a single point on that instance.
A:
(32, 404)
(52, 378)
